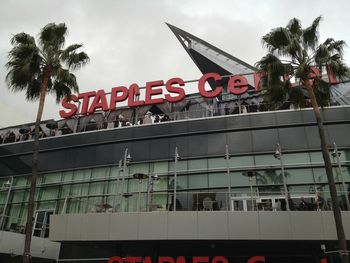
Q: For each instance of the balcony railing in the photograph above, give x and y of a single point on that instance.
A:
(200, 201)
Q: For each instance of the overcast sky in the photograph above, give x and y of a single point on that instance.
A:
(128, 41)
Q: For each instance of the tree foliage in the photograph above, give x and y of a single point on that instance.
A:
(293, 52)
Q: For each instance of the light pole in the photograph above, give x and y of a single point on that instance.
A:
(127, 159)
(227, 157)
(278, 155)
(176, 158)
(8, 186)
(337, 154)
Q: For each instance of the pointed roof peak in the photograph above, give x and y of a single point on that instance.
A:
(192, 43)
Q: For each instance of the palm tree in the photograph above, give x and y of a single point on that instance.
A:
(293, 53)
(38, 70)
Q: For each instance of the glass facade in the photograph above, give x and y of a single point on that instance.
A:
(149, 186)
(85, 172)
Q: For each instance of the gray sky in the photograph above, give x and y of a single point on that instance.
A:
(128, 41)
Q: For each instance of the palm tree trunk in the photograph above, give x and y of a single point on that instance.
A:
(31, 203)
(329, 172)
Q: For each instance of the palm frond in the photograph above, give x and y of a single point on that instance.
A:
(28, 63)
(53, 36)
(76, 60)
(338, 68)
(296, 96)
(23, 65)
(294, 26)
(65, 82)
(310, 34)
(277, 40)
(68, 50)
(22, 38)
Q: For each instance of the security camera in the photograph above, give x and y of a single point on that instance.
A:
(323, 248)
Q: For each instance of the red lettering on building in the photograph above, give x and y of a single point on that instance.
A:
(166, 260)
(256, 259)
(99, 102)
(71, 106)
(133, 259)
(154, 94)
(257, 78)
(86, 97)
(118, 98)
(116, 259)
(219, 259)
(237, 85)
(181, 259)
(134, 94)
(169, 85)
(203, 80)
(151, 91)
(200, 259)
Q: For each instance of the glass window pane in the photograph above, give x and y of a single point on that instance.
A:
(218, 180)
(200, 164)
(161, 184)
(20, 181)
(296, 158)
(316, 157)
(114, 172)
(320, 175)
(49, 193)
(18, 196)
(298, 176)
(67, 176)
(268, 159)
(96, 188)
(198, 181)
(82, 174)
(239, 179)
(65, 191)
(134, 185)
(269, 176)
(160, 167)
(217, 163)
(241, 161)
(101, 172)
(139, 168)
(181, 182)
(181, 166)
(52, 178)
(13, 217)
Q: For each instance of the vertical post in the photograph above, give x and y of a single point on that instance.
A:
(227, 157)
(336, 154)
(64, 208)
(125, 162)
(283, 175)
(139, 196)
(148, 191)
(76, 117)
(7, 200)
(175, 177)
(251, 192)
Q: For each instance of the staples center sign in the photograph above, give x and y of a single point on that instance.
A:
(97, 100)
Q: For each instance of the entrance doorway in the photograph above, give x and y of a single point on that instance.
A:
(42, 223)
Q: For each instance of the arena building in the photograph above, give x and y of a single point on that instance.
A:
(179, 177)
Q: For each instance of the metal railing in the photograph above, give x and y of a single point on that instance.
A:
(19, 134)
(201, 201)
